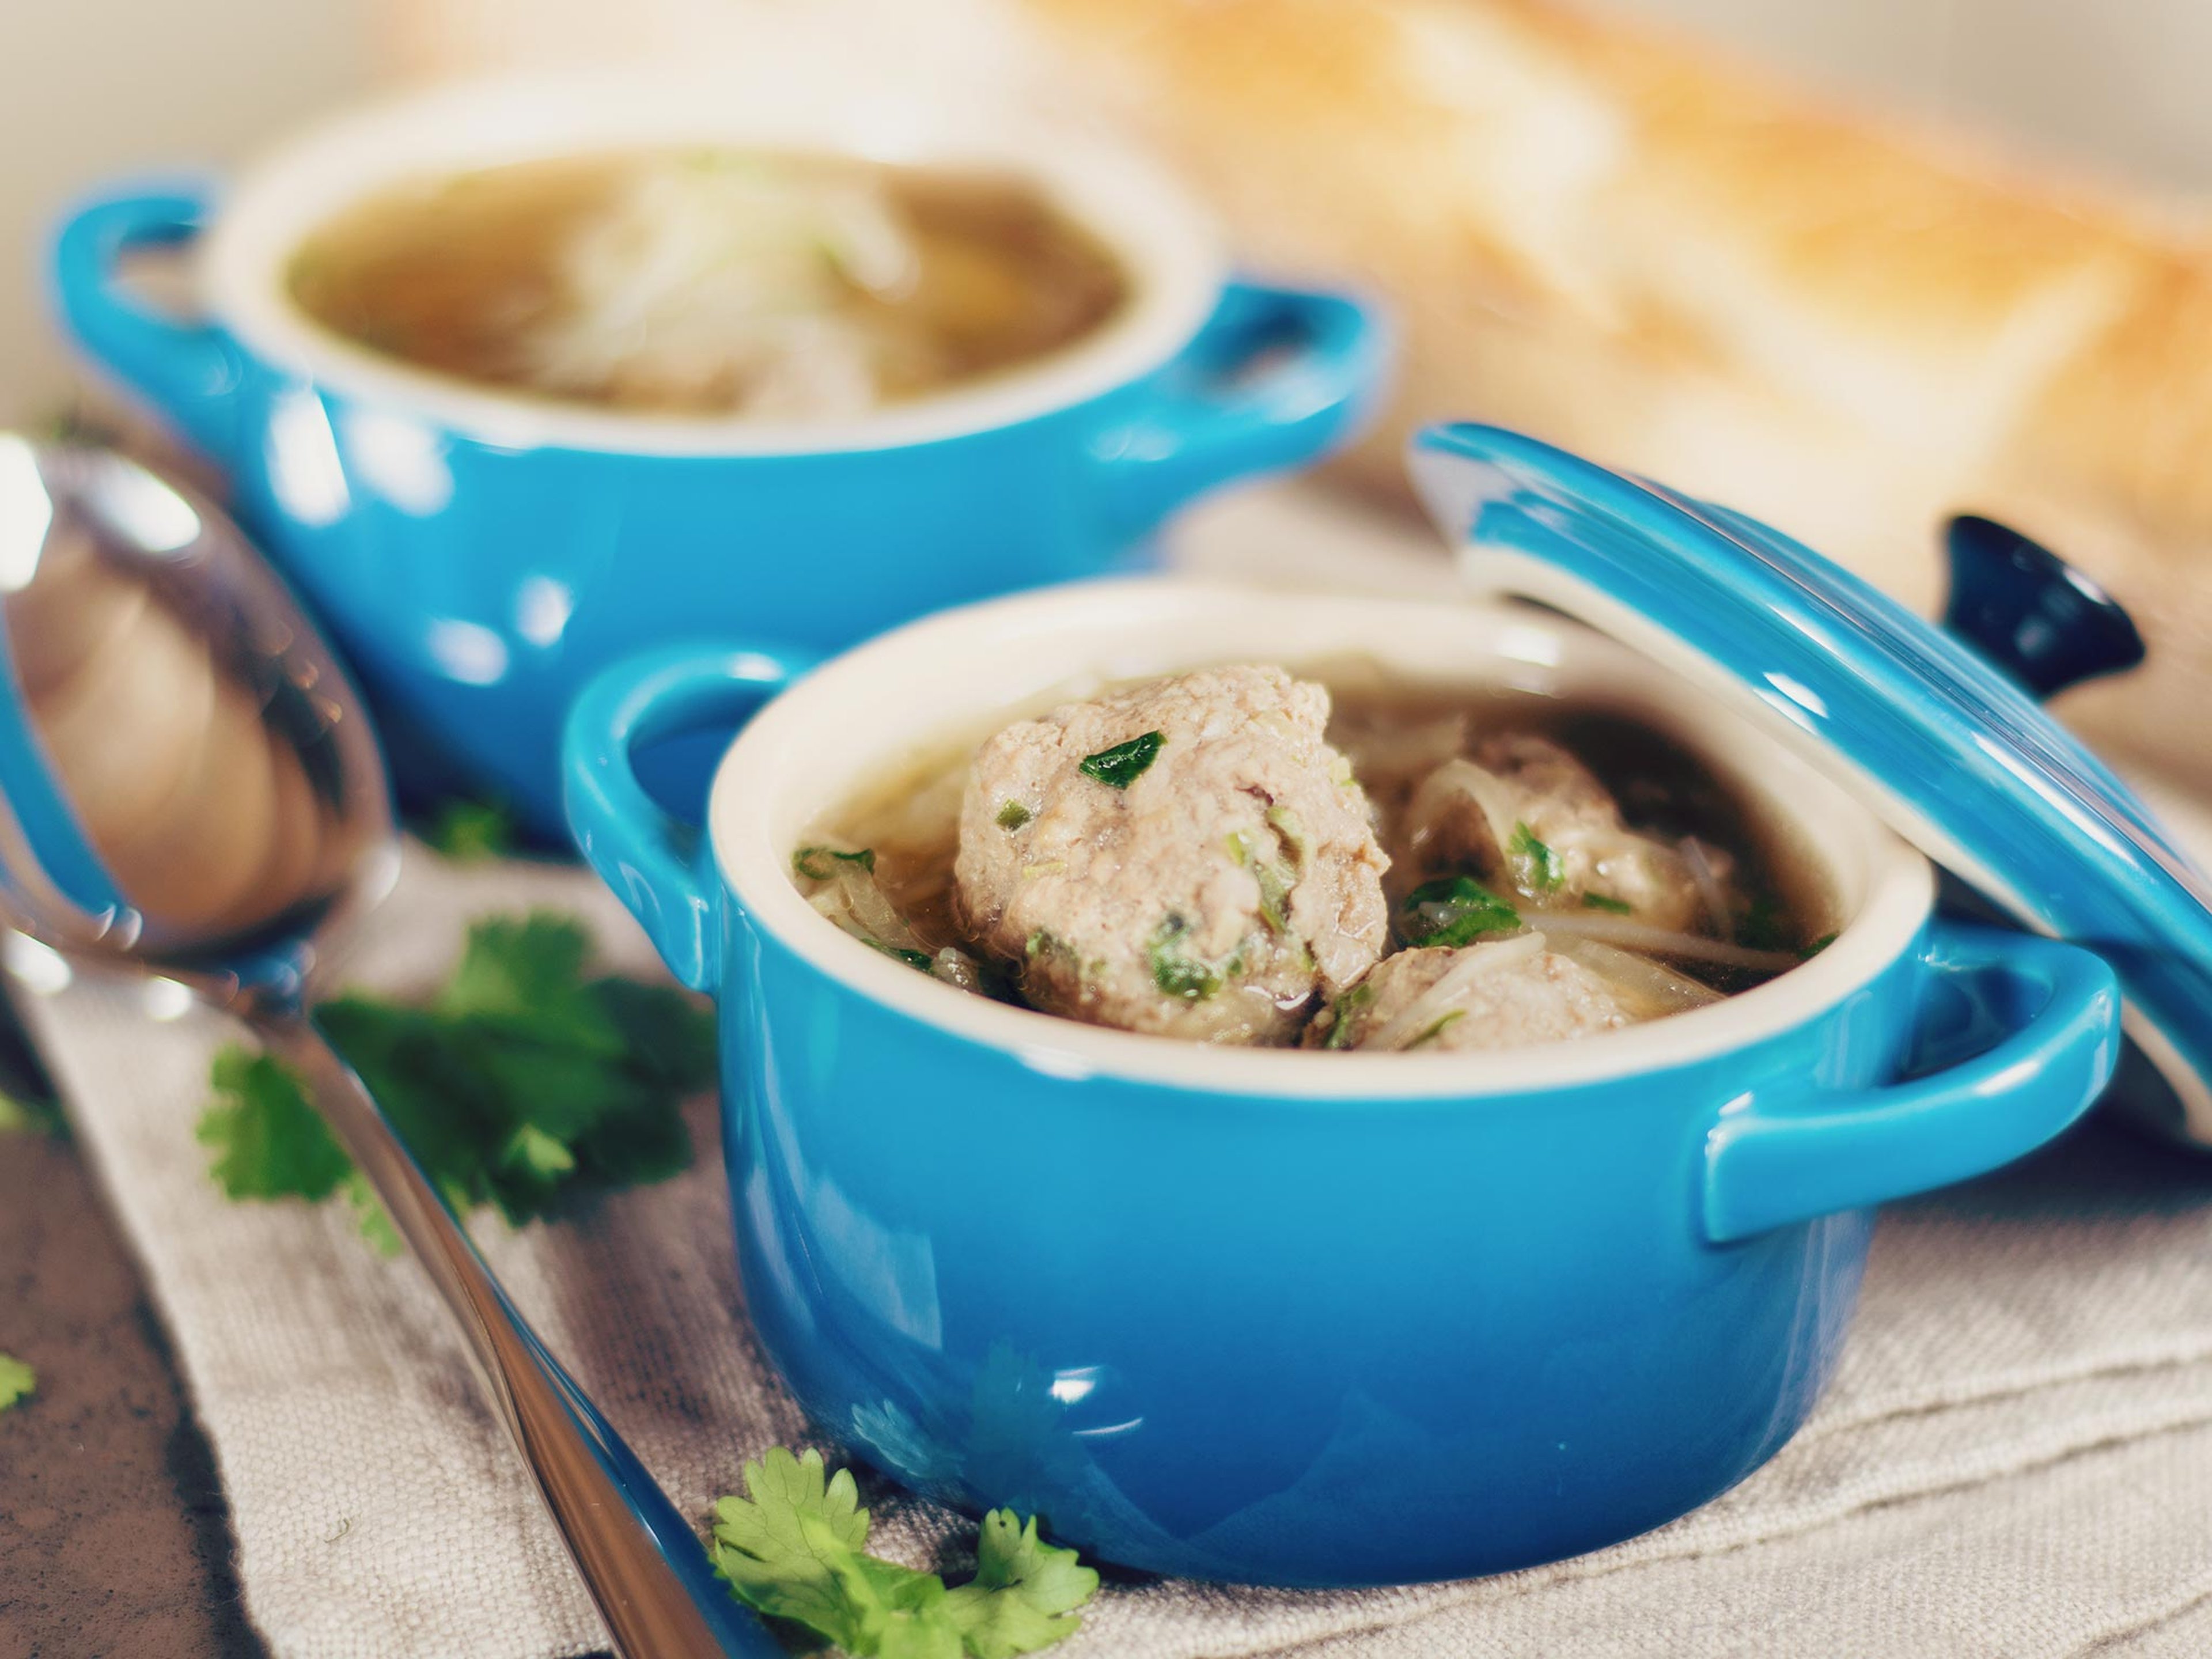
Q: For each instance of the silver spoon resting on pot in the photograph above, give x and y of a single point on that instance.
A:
(191, 790)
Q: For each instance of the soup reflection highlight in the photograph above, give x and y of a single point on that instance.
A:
(1245, 855)
(710, 282)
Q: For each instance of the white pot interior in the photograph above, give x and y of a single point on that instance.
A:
(1167, 244)
(883, 708)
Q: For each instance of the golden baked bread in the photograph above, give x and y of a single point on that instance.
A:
(1641, 249)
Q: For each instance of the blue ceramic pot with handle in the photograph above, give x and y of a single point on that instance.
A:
(479, 554)
(1284, 1316)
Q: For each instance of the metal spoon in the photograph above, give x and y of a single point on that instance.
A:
(189, 788)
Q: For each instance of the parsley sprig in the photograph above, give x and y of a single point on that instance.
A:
(521, 1080)
(794, 1547)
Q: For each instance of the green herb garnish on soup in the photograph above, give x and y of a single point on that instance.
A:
(1455, 910)
(1125, 762)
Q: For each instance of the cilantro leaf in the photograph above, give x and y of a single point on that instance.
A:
(1537, 868)
(1455, 910)
(18, 1115)
(1024, 1593)
(794, 1547)
(1125, 762)
(526, 973)
(268, 1141)
(18, 1382)
(521, 1081)
(473, 831)
(1612, 907)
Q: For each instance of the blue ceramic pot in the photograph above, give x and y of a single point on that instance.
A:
(478, 555)
(1293, 1317)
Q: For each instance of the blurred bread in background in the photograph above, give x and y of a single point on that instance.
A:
(1644, 250)
(1633, 246)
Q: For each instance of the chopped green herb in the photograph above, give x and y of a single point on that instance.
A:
(808, 861)
(521, 1080)
(1455, 910)
(794, 1548)
(1275, 896)
(18, 1382)
(1296, 841)
(1341, 1014)
(1044, 942)
(1435, 1027)
(1817, 946)
(1174, 972)
(1612, 907)
(1274, 885)
(1125, 762)
(1761, 926)
(919, 959)
(473, 831)
(1012, 816)
(1537, 868)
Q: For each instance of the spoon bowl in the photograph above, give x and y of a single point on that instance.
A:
(190, 779)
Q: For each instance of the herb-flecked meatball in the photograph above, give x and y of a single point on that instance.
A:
(1188, 857)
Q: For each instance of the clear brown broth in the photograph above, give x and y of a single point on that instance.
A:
(454, 273)
(1665, 788)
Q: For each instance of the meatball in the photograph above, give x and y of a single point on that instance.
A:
(1528, 816)
(1506, 994)
(1188, 857)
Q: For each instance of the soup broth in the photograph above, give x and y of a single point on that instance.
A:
(1752, 905)
(710, 282)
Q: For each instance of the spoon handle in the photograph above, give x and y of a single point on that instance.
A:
(639, 1558)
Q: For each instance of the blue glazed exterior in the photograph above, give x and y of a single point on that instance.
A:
(475, 587)
(1358, 1337)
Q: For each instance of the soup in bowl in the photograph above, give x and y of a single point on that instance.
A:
(513, 379)
(1111, 1225)
(711, 282)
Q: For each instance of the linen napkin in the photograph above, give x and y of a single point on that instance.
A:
(2015, 1460)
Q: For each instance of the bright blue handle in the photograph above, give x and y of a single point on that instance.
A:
(1276, 378)
(189, 371)
(2057, 1007)
(654, 861)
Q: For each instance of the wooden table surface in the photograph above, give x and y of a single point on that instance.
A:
(114, 1537)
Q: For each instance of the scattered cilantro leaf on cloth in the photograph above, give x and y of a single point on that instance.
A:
(472, 831)
(521, 1080)
(794, 1548)
(18, 1382)
(1024, 1593)
(20, 1114)
(268, 1141)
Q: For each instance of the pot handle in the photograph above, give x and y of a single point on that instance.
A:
(1276, 378)
(2056, 1010)
(656, 863)
(189, 371)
